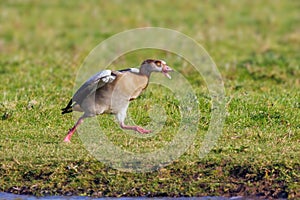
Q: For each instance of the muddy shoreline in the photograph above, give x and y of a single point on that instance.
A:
(197, 181)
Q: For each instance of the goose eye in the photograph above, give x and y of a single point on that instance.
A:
(158, 64)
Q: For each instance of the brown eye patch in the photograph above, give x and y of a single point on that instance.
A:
(158, 63)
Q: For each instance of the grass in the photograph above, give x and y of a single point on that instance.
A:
(255, 45)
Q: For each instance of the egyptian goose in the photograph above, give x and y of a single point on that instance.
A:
(111, 91)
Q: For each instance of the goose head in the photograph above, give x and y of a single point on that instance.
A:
(150, 65)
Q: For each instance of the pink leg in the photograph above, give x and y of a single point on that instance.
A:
(135, 128)
(72, 130)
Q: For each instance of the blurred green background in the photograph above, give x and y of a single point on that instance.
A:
(255, 45)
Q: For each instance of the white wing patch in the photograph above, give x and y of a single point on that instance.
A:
(92, 84)
(135, 70)
(99, 75)
(108, 79)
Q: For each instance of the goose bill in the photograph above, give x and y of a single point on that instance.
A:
(167, 75)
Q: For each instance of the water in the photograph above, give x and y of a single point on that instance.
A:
(9, 196)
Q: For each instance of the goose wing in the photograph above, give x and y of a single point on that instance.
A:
(92, 84)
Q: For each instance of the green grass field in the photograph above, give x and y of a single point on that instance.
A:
(255, 45)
